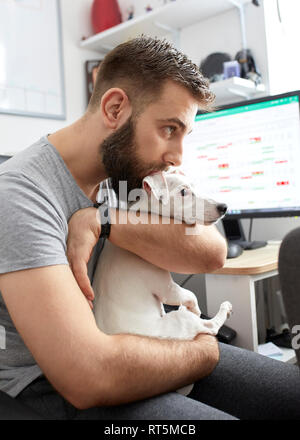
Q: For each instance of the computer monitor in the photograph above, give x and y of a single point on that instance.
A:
(247, 155)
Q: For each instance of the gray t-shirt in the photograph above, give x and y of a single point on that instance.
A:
(38, 195)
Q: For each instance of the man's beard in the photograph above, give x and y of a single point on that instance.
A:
(119, 157)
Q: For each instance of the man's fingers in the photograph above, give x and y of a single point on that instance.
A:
(83, 233)
(79, 269)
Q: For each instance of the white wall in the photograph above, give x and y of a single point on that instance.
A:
(18, 132)
(282, 39)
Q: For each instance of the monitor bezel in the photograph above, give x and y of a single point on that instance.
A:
(285, 212)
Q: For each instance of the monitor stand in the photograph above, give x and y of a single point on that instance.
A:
(234, 233)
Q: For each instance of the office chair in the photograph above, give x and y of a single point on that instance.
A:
(12, 409)
(289, 276)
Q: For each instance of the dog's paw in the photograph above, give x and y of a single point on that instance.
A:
(228, 307)
(193, 307)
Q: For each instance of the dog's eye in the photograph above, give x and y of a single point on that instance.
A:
(183, 192)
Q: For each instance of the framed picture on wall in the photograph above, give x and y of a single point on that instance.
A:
(31, 59)
(91, 70)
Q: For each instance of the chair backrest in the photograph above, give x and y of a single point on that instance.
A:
(13, 409)
(289, 275)
(4, 158)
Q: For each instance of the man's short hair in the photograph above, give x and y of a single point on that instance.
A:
(141, 66)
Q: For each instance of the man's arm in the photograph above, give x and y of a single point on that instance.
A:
(86, 366)
(167, 245)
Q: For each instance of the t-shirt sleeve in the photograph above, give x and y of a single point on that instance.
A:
(32, 231)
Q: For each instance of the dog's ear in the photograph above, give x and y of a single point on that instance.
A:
(157, 184)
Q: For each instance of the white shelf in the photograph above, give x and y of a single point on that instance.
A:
(167, 19)
(236, 89)
(289, 355)
(7, 153)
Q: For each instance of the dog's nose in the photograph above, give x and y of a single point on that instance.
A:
(222, 208)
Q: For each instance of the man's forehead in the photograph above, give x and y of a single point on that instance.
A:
(176, 102)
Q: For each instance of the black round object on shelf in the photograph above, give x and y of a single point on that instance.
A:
(212, 66)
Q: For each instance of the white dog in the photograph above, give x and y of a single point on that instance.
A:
(130, 292)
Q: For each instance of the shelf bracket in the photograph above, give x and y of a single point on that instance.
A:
(241, 9)
(175, 32)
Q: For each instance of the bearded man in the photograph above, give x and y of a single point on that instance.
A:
(56, 359)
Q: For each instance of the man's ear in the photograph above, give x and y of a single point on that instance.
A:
(157, 184)
(115, 108)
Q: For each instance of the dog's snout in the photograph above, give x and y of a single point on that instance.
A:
(222, 208)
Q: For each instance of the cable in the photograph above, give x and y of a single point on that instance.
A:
(186, 280)
(278, 11)
(250, 229)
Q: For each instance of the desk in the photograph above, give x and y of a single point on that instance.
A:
(235, 283)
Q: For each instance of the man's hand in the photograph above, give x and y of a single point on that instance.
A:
(84, 232)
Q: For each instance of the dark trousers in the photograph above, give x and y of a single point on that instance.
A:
(244, 385)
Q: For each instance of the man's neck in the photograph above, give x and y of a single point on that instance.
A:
(78, 145)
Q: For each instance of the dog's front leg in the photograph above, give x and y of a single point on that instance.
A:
(175, 295)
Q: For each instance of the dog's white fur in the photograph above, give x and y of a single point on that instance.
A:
(130, 292)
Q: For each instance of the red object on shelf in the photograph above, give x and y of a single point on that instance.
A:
(105, 14)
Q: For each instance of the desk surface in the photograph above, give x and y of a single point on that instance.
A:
(252, 262)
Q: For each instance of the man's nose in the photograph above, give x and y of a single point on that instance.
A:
(174, 157)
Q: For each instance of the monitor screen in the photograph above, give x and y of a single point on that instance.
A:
(247, 155)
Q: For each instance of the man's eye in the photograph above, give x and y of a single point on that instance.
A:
(170, 130)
